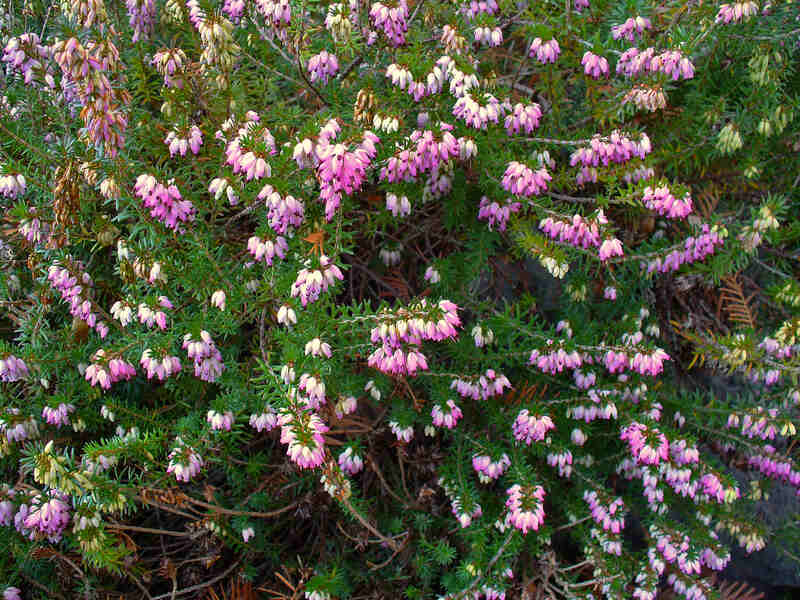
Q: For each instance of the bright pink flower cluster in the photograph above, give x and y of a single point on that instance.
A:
(48, 517)
(497, 215)
(606, 517)
(478, 115)
(181, 144)
(340, 170)
(525, 507)
(311, 283)
(524, 117)
(58, 415)
(184, 462)
(427, 155)
(775, 467)
(489, 470)
(12, 185)
(736, 12)
(393, 21)
(12, 368)
(649, 364)
(106, 372)
(77, 295)
(484, 387)
(164, 201)
(410, 327)
(579, 232)
(694, 249)
(350, 462)
(555, 361)
(246, 159)
(594, 66)
(640, 438)
(672, 63)
(303, 435)
(615, 148)
(530, 428)
(520, 180)
(206, 356)
(282, 211)
(631, 28)
(267, 250)
(322, 67)
(661, 200)
(234, 9)
(544, 52)
(163, 368)
(449, 418)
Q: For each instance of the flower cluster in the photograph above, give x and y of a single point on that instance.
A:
(311, 283)
(393, 21)
(671, 63)
(489, 470)
(483, 387)
(181, 143)
(544, 52)
(530, 428)
(520, 180)
(322, 67)
(207, 358)
(694, 249)
(662, 201)
(164, 201)
(184, 462)
(525, 507)
(631, 28)
(74, 284)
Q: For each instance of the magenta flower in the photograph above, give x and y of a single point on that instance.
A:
(58, 416)
(12, 368)
(207, 358)
(631, 28)
(393, 21)
(165, 202)
(489, 470)
(521, 180)
(48, 517)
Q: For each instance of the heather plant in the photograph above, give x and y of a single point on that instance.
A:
(417, 299)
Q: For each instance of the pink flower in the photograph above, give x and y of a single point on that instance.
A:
(322, 66)
(545, 52)
(303, 434)
(528, 428)
(184, 462)
(609, 248)
(247, 534)
(525, 507)
(447, 419)
(594, 66)
(220, 421)
(350, 462)
(521, 180)
(489, 470)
